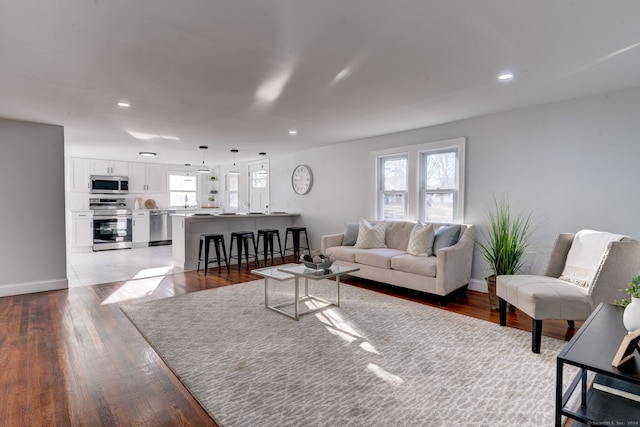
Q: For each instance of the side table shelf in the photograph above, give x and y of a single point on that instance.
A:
(592, 349)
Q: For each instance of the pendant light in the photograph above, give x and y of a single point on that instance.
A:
(204, 168)
(234, 170)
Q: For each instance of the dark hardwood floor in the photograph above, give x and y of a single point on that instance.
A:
(71, 357)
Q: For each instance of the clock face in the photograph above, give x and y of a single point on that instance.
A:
(302, 179)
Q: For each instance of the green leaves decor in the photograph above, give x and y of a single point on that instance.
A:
(504, 243)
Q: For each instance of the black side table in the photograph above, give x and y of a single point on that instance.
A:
(592, 349)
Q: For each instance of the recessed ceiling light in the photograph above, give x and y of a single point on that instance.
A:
(124, 104)
(147, 154)
(293, 132)
(505, 77)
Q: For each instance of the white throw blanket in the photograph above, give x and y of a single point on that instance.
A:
(585, 256)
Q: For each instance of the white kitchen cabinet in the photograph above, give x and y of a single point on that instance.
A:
(147, 178)
(140, 228)
(82, 229)
(156, 178)
(79, 175)
(109, 167)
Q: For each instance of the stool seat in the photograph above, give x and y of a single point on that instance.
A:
(205, 241)
(268, 235)
(296, 235)
(242, 239)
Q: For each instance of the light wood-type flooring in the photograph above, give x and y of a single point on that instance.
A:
(71, 357)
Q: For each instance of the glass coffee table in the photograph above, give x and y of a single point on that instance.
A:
(296, 272)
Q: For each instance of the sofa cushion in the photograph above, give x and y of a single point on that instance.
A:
(424, 266)
(446, 235)
(370, 235)
(343, 253)
(350, 234)
(421, 240)
(377, 257)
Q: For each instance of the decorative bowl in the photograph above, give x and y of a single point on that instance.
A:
(318, 265)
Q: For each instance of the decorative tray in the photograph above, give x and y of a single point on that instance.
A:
(318, 265)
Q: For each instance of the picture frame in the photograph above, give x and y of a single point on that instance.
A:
(630, 344)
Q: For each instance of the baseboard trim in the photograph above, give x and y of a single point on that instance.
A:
(33, 287)
(478, 285)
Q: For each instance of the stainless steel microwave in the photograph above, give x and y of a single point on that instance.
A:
(106, 184)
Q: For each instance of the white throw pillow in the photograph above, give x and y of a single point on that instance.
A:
(370, 236)
(421, 240)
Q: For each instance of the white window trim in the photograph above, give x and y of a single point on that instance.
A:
(413, 153)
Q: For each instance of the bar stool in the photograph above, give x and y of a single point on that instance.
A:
(205, 240)
(267, 235)
(295, 237)
(242, 239)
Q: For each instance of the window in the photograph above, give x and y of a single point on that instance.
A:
(392, 195)
(232, 190)
(259, 178)
(182, 189)
(439, 185)
(424, 182)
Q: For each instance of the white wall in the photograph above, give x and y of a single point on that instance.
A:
(32, 215)
(575, 163)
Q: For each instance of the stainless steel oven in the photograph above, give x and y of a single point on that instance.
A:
(111, 224)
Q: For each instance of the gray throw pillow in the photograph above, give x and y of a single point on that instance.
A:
(350, 234)
(446, 236)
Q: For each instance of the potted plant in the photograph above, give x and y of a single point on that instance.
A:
(504, 243)
(631, 315)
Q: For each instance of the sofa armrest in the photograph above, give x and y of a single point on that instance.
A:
(454, 263)
(330, 240)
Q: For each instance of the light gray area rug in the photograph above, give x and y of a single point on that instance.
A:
(374, 361)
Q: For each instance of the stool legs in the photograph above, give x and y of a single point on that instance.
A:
(295, 236)
(205, 241)
(243, 240)
(200, 256)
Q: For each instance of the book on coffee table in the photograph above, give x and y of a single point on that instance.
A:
(619, 388)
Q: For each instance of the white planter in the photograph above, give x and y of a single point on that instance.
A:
(631, 315)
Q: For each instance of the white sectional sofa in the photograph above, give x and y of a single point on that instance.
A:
(445, 274)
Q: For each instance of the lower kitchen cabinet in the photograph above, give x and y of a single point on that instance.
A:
(140, 228)
(82, 229)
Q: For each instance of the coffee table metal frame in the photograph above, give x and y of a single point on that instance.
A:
(298, 271)
(592, 349)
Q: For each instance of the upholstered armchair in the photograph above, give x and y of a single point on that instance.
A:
(550, 297)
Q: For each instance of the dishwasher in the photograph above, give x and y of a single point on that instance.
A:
(160, 227)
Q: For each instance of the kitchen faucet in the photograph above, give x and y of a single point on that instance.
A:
(186, 201)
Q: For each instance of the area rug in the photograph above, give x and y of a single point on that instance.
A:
(376, 360)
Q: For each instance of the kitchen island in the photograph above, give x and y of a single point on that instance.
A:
(187, 228)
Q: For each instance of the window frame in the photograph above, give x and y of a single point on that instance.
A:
(415, 206)
(170, 191)
(230, 192)
(382, 193)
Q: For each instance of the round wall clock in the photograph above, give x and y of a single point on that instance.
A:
(302, 179)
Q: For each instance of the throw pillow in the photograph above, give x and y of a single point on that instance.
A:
(370, 236)
(350, 234)
(446, 236)
(421, 240)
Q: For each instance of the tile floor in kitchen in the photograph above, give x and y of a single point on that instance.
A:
(92, 268)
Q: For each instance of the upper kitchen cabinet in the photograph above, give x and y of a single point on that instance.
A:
(147, 178)
(109, 167)
(79, 175)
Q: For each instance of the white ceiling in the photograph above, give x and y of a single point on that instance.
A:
(241, 74)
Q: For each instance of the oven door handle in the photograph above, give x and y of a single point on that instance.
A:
(111, 217)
